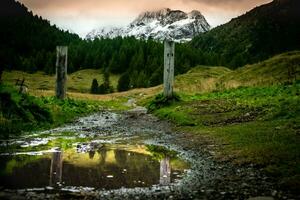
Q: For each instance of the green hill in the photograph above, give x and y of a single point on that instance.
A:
(280, 69)
(243, 116)
(200, 79)
(79, 81)
(255, 36)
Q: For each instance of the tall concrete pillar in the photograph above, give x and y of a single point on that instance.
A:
(169, 55)
(61, 71)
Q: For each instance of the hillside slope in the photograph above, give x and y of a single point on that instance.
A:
(249, 116)
(27, 40)
(200, 79)
(79, 81)
(279, 69)
(282, 68)
(257, 35)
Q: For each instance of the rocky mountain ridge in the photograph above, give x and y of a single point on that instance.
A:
(159, 25)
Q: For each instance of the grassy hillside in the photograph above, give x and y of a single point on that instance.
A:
(200, 79)
(23, 112)
(249, 115)
(79, 81)
(280, 69)
(277, 70)
(258, 125)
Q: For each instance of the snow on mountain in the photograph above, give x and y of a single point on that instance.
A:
(159, 25)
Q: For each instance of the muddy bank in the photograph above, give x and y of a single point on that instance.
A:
(206, 178)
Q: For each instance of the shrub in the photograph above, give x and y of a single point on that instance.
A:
(94, 87)
(160, 101)
(124, 82)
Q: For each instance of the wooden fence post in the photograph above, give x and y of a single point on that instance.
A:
(169, 55)
(61, 71)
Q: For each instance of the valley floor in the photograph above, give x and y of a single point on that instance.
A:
(243, 119)
(257, 126)
(208, 178)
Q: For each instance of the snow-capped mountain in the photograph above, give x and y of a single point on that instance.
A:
(159, 25)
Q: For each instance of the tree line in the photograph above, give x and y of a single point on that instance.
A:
(28, 43)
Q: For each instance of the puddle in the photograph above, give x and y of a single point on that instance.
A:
(92, 165)
(95, 152)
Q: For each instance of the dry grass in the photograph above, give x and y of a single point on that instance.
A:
(200, 79)
(279, 69)
(79, 81)
(135, 93)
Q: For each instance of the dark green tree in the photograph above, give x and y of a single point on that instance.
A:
(105, 87)
(124, 82)
(94, 87)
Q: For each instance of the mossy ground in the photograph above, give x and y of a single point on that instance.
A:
(21, 112)
(258, 125)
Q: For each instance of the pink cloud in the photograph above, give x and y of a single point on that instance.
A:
(84, 15)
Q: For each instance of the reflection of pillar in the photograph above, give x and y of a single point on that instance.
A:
(121, 156)
(165, 171)
(56, 168)
(102, 153)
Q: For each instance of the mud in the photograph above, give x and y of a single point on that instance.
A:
(207, 177)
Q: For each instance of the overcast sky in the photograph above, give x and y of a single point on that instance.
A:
(81, 16)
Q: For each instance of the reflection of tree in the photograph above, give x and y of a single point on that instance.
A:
(165, 171)
(56, 168)
(121, 157)
(102, 153)
(91, 154)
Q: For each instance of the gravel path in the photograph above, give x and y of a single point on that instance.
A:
(207, 179)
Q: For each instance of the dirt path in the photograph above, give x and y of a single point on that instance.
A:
(207, 178)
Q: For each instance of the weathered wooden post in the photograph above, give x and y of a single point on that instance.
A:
(61, 71)
(169, 55)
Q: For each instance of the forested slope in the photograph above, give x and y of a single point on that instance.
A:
(255, 36)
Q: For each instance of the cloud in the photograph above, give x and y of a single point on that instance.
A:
(231, 4)
(83, 15)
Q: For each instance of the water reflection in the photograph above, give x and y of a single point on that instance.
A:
(109, 167)
(165, 171)
(56, 168)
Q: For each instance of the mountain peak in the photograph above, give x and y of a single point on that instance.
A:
(195, 14)
(159, 25)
